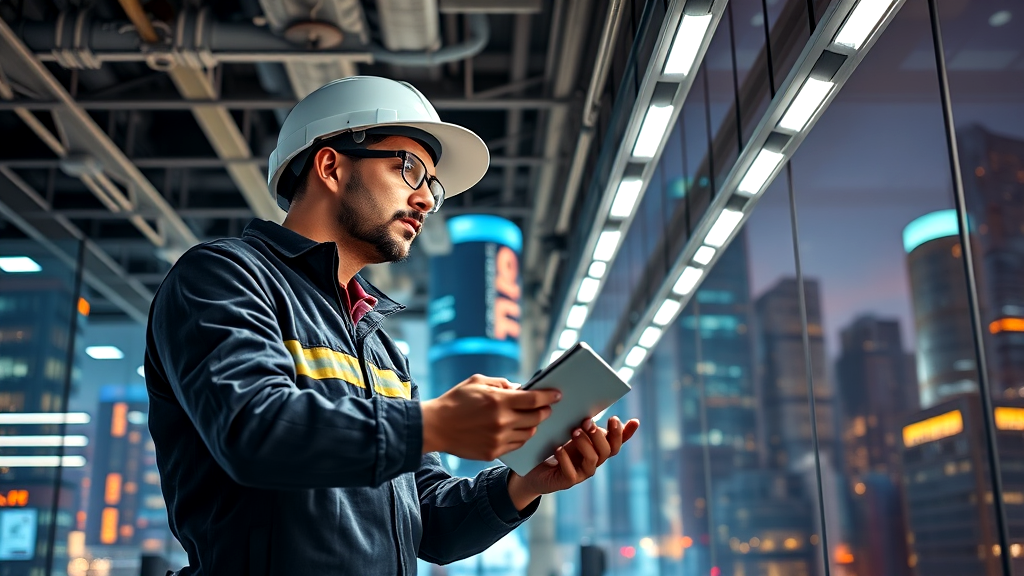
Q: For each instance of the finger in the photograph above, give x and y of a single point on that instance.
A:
(533, 399)
(588, 464)
(599, 438)
(502, 383)
(614, 435)
(530, 418)
(631, 427)
(521, 435)
(565, 463)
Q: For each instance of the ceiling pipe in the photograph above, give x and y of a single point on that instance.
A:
(480, 35)
(211, 42)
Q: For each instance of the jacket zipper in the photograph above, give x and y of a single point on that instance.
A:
(392, 496)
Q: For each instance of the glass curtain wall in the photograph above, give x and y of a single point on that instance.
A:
(79, 489)
(818, 406)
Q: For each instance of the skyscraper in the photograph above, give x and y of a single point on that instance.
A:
(948, 491)
(945, 343)
(993, 168)
(787, 421)
(877, 391)
(788, 441)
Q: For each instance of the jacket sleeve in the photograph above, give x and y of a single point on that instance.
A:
(464, 516)
(215, 337)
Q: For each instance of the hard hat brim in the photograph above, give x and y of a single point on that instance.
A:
(464, 156)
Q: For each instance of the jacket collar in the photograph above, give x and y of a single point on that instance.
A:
(292, 245)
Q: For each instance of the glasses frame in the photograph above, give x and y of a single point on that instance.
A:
(431, 181)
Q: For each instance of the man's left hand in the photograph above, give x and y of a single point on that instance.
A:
(573, 462)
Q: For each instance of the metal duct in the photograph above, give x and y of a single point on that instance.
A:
(409, 24)
(346, 15)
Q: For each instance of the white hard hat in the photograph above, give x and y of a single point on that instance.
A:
(364, 103)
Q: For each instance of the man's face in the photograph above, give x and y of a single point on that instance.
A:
(378, 208)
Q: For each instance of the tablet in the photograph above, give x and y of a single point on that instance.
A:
(588, 386)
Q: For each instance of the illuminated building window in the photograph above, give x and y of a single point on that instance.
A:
(108, 526)
(935, 428)
(112, 490)
(1008, 418)
(119, 420)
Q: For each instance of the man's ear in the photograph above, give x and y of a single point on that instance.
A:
(326, 168)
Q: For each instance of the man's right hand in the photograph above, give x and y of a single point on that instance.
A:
(483, 418)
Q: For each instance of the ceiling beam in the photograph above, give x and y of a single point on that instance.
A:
(283, 103)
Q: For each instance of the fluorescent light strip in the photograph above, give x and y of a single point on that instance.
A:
(625, 373)
(652, 131)
(806, 103)
(862, 22)
(666, 312)
(104, 352)
(577, 316)
(567, 338)
(759, 172)
(636, 356)
(689, 37)
(607, 243)
(588, 290)
(46, 441)
(684, 55)
(625, 198)
(19, 264)
(650, 337)
(42, 461)
(723, 227)
(704, 255)
(44, 418)
(687, 280)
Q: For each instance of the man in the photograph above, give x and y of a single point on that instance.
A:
(289, 435)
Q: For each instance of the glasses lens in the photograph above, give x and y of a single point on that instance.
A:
(414, 171)
(437, 191)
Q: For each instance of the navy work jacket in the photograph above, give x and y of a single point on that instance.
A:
(289, 440)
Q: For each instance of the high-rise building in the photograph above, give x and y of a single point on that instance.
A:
(877, 392)
(37, 308)
(126, 506)
(946, 363)
(948, 492)
(786, 409)
(993, 168)
(787, 432)
(719, 378)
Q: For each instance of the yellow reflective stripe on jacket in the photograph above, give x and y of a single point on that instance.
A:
(323, 363)
(388, 384)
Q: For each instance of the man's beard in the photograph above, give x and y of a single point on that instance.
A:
(379, 236)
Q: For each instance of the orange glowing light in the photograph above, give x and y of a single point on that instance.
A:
(119, 420)
(108, 526)
(83, 307)
(1007, 325)
(14, 499)
(112, 490)
(686, 542)
(934, 428)
(843, 554)
(1008, 418)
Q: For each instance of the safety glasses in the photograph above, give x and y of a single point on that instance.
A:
(414, 171)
